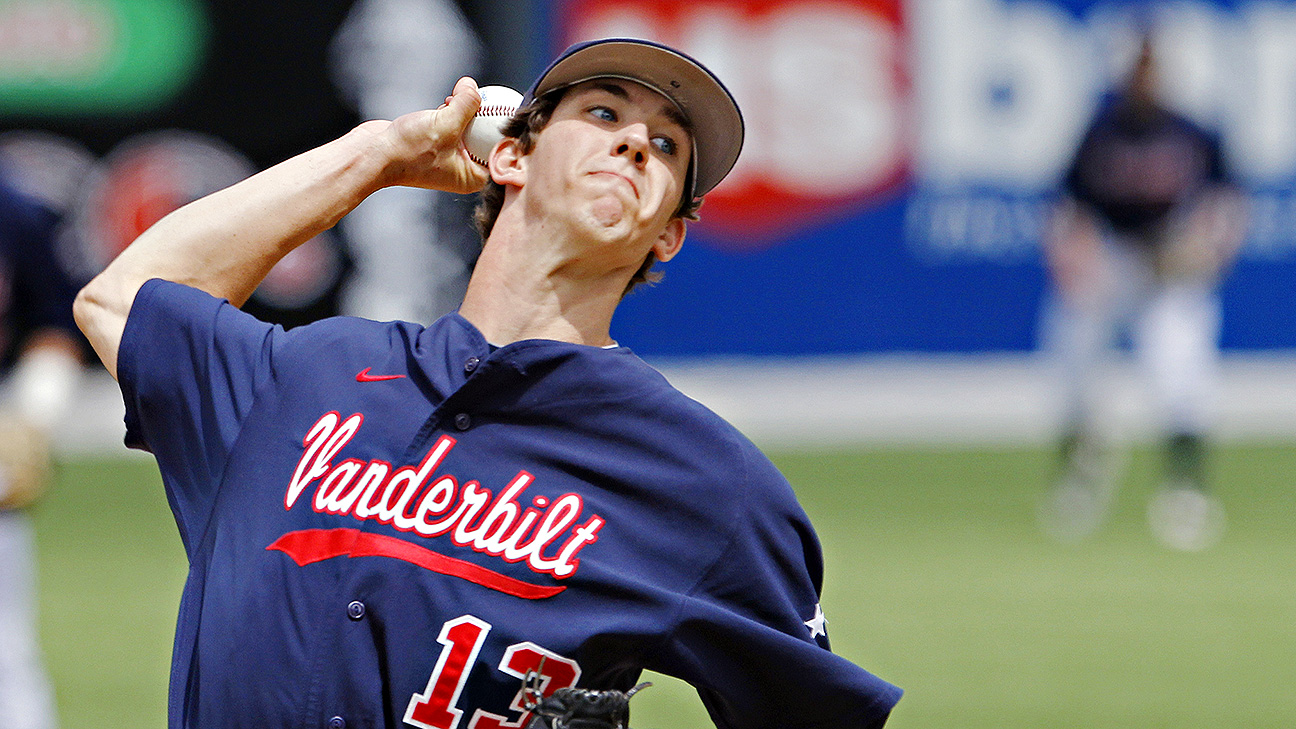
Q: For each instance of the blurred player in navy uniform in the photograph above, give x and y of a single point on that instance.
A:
(39, 368)
(393, 525)
(1148, 224)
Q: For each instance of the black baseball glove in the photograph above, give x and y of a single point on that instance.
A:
(573, 708)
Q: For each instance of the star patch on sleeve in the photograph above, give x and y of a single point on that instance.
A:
(818, 624)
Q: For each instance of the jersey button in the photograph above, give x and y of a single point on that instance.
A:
(355, 610)
(463, 421)
(337, 722)
(471, 365)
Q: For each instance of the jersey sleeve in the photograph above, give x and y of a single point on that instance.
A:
(189, 366)
(751, 636)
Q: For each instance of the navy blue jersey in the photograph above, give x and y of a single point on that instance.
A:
(1134, 168)
(389, 525)
(35, 292)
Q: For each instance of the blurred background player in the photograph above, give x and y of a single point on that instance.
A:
(39, 369)
(1147, 225)
(412, 249)
(388, 58)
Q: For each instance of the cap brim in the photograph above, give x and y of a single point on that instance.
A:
(717, 124)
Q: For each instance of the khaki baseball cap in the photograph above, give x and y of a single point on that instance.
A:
(710, 108)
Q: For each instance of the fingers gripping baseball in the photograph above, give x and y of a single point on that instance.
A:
(427, 145)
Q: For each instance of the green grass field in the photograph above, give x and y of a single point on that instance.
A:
(937, 579)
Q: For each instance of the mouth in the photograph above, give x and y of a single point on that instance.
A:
(619, 176)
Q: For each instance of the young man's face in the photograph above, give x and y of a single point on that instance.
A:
(614, 157)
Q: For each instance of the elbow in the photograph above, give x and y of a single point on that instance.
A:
(100, 310)
(85, 305)
(103, 303)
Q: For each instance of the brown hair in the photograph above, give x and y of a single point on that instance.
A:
(525, 126)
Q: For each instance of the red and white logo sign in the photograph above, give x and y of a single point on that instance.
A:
(822, 87)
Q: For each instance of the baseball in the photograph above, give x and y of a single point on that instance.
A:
(487, 128)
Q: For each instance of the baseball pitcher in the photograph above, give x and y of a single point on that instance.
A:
(486, 521)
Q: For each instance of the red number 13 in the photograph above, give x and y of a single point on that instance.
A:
(462, 639)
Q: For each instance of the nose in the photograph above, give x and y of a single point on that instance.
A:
(633, 143)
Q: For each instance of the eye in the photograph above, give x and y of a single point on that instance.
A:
(666, 145)
(604, 113)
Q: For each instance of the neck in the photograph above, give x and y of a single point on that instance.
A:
(522, 291)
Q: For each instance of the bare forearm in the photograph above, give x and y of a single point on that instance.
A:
(227, 242)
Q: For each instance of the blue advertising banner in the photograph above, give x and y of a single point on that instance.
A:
(902, 158)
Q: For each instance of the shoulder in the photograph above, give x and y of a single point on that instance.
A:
(345, 346)
(338, 334)
(165, 306)
(717, 447)
(620, 374)
(614, 391)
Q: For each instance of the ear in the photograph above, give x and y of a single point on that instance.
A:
(508, 163)
(671, 240)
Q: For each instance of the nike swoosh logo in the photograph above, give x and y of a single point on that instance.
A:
(308, 546)
(364, 376)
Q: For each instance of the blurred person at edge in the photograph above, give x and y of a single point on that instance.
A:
(1146, 227)
(414, 249)
(39, 369)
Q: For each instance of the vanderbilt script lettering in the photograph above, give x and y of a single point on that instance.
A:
(547, 534)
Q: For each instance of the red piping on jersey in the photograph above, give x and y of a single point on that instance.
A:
(364, 376)
(315, 545)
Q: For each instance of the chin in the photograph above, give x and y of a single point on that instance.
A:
(606, 217)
